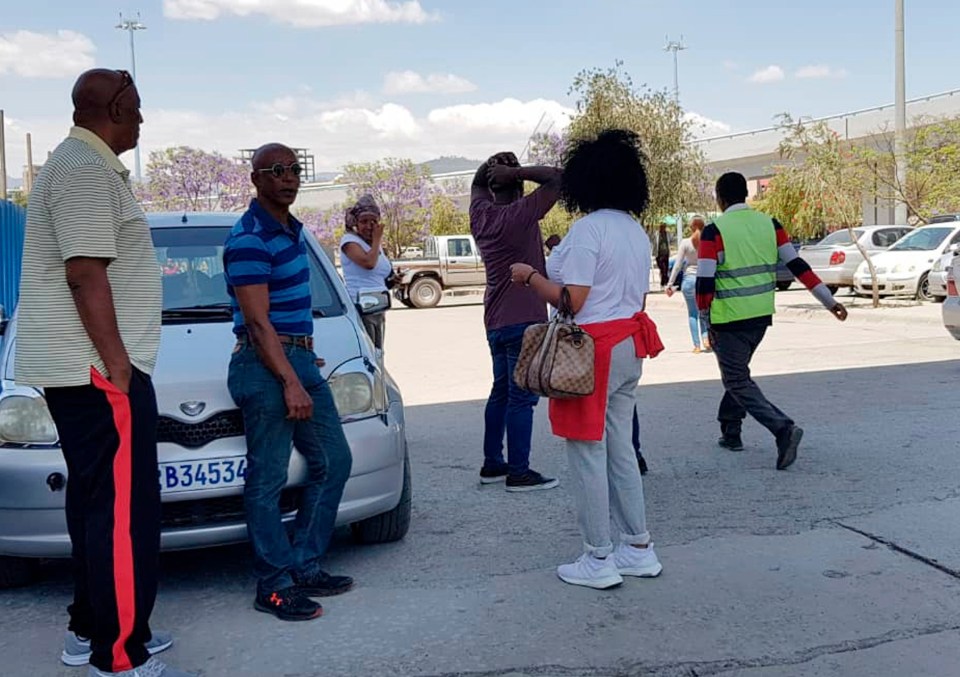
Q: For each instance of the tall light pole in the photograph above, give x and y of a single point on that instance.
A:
(900, 211)
(676, 46)
(132, 26)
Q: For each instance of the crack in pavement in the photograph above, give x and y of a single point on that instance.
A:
(705, 668)
(929, 561)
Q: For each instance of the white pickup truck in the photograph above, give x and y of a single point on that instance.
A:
(449, 262)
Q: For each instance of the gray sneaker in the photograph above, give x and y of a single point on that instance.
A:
(76, 650)
(152, 668)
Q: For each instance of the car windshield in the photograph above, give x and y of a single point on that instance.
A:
(840, 237)
(191, 259)
(922, 240)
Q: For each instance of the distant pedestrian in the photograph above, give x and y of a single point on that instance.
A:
(663, 254)
(275, 380)
(551, 243)
(686, 267)
(89, 314)
(736, 280)
(366, 267)
(604, 265)
(506, 226)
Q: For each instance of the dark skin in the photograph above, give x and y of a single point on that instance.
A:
(506, 182)
(108, 105)
(275, 195)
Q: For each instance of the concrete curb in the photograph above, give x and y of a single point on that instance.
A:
(867, 315)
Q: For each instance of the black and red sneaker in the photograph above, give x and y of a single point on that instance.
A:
(322, 584)
(289, 604)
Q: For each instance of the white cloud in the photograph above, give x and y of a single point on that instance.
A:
(411, 82)
(45, 55)
(820, 72)
(705, 127)
(509, 115)
(303, 13)
(730, 65)
(767, 75)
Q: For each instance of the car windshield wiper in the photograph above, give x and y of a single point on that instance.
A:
(209, 309)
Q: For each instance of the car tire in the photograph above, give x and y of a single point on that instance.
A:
(784, 286)
(17, 571)
(923, 289)
(405, 300)
(425, 293)
(390, 526)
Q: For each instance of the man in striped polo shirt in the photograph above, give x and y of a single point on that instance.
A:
(89, 330)
(275, 380)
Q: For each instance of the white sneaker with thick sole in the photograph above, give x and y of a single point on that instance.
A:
(591, 572)
(641, 562)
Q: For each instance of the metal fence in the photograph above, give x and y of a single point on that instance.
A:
(12, 222)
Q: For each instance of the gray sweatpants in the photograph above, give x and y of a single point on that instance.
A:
(606, 478)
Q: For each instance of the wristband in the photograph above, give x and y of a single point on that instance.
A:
(526, 283)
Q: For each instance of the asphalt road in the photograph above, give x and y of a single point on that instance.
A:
(845, 565)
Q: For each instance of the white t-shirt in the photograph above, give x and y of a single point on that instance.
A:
(609, 252)
(356, 277)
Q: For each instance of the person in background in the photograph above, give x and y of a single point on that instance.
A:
(366, 267)
(603, 266)
(686, 265)
(274, 378)
(506, 226)
(663, 254)
(551, 243)
(736, 281)
(90, 306)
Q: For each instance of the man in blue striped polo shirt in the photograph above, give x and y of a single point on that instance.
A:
(275, 380)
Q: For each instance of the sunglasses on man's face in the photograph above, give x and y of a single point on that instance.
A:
(127, 82)
(279, 169)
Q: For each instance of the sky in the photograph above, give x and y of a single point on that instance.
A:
(359, 80)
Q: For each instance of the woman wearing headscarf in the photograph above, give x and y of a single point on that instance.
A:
(366, 267)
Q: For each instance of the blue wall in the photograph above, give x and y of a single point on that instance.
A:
(12, 222)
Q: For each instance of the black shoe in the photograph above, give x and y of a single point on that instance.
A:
(323, 584)
(642, 463)
(787, 443)
(288, 604)
(731, 442)
(490, 475)
(530, 481)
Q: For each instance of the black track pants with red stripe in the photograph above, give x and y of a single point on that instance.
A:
(109, 441)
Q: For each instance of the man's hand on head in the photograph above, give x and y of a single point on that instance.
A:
(502, 175)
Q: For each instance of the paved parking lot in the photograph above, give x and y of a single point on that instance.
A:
(846, 565)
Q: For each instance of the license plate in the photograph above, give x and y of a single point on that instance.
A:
(210, 473)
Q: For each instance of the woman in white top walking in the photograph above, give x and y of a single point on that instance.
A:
(365, 266)
(686, 263)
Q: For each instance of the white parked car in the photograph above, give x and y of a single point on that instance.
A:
(951, 306)
(938, 277)
(835, 258)
(904, 269)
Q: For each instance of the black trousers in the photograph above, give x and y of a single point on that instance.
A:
(109, 441)
(734, 350)
(663, 263)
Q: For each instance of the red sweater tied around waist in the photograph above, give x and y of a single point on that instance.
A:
(584, 418)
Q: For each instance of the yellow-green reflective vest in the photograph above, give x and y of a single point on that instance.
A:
(747, 278)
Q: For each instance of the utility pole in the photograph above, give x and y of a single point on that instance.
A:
(28, 175)
(900, 211)
(132, 26)
(676, 46)
(3, 159)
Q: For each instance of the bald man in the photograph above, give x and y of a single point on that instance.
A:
(275, 380)
(89, 331)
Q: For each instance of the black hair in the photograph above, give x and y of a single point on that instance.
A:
(732, 188)
(606, 172)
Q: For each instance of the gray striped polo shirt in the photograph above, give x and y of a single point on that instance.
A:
(82, 206)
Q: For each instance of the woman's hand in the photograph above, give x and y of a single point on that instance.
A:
(669, 292)
(520, 272)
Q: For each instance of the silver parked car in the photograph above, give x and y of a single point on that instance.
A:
(835, 258)
(951, 306)
(200, 434)
(937, 279)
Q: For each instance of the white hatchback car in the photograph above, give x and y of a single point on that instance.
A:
(904, 269)
(951, 306)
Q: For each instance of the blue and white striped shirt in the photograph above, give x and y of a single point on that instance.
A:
(260, 250)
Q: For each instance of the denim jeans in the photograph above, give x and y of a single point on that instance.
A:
(509, 408)
(699, 328)
(278, 557)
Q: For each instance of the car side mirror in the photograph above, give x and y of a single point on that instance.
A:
(369, 303)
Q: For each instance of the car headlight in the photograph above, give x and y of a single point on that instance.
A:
(357, 394)
(938, 266)
(26, 421)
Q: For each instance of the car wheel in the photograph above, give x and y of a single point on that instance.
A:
(389, 526)
(784, 286)
(425, 293)
(833, 288)
(17, 571)
(923, 289)
(405, 300)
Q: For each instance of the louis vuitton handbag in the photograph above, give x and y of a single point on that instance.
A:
(556, 359)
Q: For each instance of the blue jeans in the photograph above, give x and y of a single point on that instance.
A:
(279, 557)
(689, 289)
(509, 408)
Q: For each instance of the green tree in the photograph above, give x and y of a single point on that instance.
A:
(675, 166)
(446, 218)
(19, 197)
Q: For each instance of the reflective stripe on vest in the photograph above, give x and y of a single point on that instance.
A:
(747, 278)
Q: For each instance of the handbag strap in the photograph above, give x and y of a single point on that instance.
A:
(565, 309)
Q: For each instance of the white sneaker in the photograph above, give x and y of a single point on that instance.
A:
(152, 668)
(591, 572)
(642, 562)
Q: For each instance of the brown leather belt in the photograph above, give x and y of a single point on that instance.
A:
(298, 341)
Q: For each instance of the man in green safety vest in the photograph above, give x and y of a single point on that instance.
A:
(736, 282)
